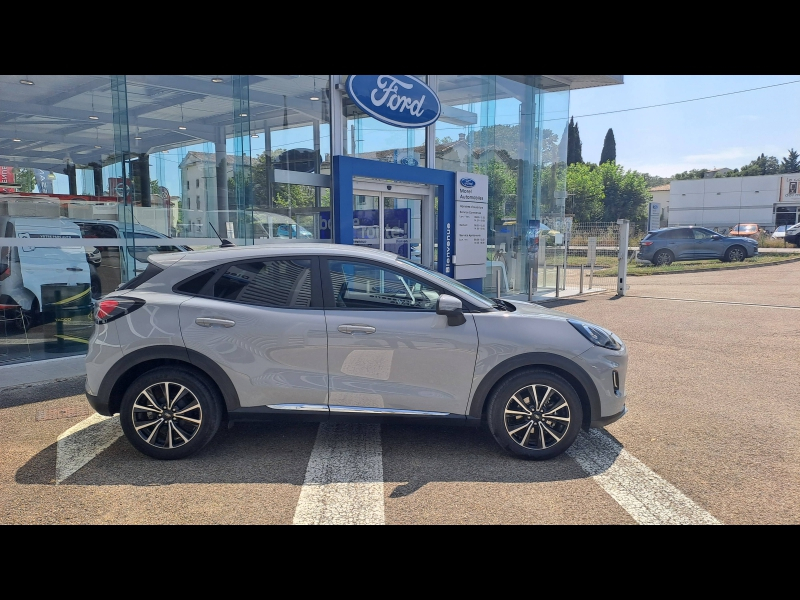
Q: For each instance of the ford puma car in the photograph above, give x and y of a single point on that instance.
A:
(333, 332)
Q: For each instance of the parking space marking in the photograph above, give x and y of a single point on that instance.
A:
(344, 479)
(648, 498)
(785, 307)
(82, 442)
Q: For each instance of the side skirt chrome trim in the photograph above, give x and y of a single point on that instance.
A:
(386, 411)
(314, 407)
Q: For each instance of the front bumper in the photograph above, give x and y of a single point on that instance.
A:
(603, 421)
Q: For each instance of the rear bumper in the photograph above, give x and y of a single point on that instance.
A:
(100, 405)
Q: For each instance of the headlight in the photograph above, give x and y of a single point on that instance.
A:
(597, 335)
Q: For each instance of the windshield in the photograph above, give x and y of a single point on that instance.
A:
(479, 299)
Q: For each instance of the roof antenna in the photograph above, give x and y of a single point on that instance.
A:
(224, 242)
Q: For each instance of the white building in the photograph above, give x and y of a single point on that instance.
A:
(768, 200)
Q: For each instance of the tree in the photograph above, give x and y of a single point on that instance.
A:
(654, 180)
(626, 193)
(574, 145)
(26, 179)
(763, 165)
(693, 174)
(609, 152)
(502, 188)
(791, 164)
(585, 191)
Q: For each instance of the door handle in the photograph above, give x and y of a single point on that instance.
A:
(211, 322)
(355, 329)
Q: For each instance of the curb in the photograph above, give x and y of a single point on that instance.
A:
(770, 264)
(21, 386)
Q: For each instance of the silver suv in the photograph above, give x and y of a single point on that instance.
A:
(323, 332)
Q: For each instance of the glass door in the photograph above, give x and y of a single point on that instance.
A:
(367, 220)
(389, 220)
(401, 226)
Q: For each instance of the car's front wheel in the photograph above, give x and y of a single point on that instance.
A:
(735, 254)
(535, 414)
(170, 413)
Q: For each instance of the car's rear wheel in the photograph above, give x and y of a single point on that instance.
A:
(663, 258)
(735, 254)
(170, 413)
(535, 414)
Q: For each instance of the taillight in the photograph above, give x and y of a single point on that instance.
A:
(114, 308)
(646, 243)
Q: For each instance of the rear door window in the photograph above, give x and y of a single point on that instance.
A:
(274, 282)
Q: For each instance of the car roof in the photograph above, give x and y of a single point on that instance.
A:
(221, 255)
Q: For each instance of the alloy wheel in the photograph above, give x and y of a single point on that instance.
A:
(736, 254)
(166, 415)
(537, 417)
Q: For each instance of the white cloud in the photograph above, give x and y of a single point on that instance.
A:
(718, 158)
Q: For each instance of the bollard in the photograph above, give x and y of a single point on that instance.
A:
(497, 278)
(580, 287)
(530, 286)
(544, 279)
(558, 281)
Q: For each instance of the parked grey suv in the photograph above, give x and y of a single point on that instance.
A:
(668, 244)
(324, 332)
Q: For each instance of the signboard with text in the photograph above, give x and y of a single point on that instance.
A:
(472, 203)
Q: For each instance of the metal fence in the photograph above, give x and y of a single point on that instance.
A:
(588, 260)
(583, 259)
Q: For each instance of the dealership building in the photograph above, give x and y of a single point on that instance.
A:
(451, 171)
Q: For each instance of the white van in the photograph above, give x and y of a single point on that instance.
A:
(25, 269)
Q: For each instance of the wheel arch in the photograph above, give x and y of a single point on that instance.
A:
(574, 374)
(127, 369)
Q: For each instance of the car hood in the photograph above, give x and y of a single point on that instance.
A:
(526, 309)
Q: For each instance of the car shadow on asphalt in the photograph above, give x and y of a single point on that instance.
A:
(278, 453)
(419, 455)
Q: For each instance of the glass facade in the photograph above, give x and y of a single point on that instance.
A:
(139, 164)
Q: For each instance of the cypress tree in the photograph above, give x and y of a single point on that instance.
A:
(609, 152)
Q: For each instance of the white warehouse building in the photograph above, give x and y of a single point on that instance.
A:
(768, 200)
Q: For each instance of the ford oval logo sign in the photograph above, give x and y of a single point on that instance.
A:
(399, 100)
(467, 182)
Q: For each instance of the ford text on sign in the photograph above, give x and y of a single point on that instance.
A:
(399, 100)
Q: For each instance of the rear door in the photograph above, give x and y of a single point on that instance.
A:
(262, 321)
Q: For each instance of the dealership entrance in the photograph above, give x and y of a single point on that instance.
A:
(395, 216)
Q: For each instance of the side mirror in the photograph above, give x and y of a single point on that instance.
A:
(451, 307)
(716, 237)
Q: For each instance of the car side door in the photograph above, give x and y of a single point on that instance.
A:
(388, 350)
(262, 320)
(707, 244)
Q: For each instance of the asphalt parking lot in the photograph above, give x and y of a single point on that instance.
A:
(711, 437)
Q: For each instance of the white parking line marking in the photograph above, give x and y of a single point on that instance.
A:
(344, 479)
(648, 498)
(82, 442)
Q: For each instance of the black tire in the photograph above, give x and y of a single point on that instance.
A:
(735, 254)
(187, 437)
(557, 435)
(663, 258)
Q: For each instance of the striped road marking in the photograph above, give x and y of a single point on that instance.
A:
(344, 479)
(648, 498)
(82, 442)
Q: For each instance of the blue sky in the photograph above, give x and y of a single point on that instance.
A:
(719, 132)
